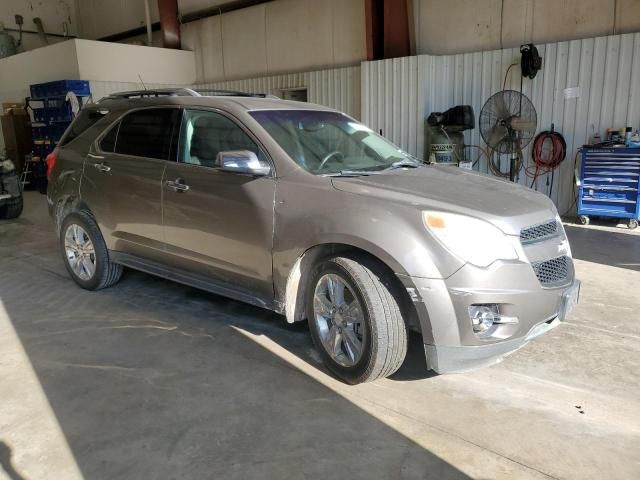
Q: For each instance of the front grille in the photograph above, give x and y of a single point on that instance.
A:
(539, 232)
(552, 272)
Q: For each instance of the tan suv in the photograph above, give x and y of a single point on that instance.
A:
(303, 210)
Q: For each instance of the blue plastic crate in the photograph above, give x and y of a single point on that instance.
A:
(51, 132)
(40, 114)
(60, 88)
(58, 110)
(42, 148)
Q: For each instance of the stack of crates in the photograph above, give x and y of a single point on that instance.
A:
(52, 114)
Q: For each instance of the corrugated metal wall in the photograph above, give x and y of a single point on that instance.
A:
(336, 88)
(397, 94)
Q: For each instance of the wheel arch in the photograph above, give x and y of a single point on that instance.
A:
(299, 275)
(66, 205)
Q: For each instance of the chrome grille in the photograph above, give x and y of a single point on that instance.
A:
(552, 272)
(539, 232)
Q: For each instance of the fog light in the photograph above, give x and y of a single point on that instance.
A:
(483, 317)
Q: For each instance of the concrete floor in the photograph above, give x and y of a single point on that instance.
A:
(154, 380)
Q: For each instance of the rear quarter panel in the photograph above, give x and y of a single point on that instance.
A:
(63, 191)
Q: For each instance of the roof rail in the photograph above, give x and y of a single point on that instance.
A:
(214, 92)
(157, 92)
(183, 92)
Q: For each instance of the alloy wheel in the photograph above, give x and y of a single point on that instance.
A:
(80, 252)
(339, 319)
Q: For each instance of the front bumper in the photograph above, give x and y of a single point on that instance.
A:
(442, 307)
(456, 359)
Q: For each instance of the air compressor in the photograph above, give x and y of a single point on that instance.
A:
(445, 137)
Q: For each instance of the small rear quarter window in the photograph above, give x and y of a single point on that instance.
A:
(108, 142)
(84, 120)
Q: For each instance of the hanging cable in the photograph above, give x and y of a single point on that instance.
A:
(504, 82)
(482, 152)
(495, 163)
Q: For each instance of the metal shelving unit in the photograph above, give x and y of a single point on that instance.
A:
(52, 114)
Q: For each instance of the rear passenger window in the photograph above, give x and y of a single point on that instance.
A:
(108, 142)
(147, 133)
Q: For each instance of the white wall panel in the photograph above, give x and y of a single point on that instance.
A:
(336, 88)
(277, 37)
(398, 94)
(100, 18)
(446, 27)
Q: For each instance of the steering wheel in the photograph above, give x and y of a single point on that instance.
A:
(329, 157)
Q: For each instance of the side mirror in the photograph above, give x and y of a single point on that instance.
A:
(242, 161)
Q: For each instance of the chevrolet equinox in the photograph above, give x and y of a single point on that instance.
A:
(303, 210)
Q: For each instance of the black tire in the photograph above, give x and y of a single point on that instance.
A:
(385, 346)
(632, 224)
(106, 272)
(584, 220)
(12, 208)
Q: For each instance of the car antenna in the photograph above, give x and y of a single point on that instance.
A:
(143, 85)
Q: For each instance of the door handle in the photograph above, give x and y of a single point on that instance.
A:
(94, 156)
(101, 167)
(177, 185)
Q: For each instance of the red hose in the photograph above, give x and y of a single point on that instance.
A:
(548, 151)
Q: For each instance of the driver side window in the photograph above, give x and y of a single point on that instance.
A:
(205, 134)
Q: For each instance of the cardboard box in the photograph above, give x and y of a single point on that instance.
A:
(13, 108)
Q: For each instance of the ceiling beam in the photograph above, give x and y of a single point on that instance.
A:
(388, 29)
(169, 26)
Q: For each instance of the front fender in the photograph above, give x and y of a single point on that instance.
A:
(308, 215)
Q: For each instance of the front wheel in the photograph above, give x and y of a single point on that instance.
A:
(355, 321)
(632, 224)
(584, 220)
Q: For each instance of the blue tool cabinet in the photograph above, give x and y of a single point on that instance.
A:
(610, 184)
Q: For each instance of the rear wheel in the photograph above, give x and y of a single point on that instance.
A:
(632, 224)
(355, 321)
(85, 253)
(584, 220)
(12, 208)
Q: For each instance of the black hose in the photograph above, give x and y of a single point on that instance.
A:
(531, 60)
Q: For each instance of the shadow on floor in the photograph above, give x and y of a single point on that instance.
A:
(151, 379)
(617, 249)
(7, 464)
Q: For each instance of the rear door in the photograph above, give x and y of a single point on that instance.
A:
(122, 180)
(219, 224)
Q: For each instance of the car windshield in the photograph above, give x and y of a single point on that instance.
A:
(331, 143)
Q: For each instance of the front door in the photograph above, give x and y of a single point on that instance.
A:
(218, 224)
(123, 177)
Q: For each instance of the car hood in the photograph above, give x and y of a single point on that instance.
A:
(507, 205)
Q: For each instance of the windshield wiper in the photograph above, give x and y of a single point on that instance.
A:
(352, 173)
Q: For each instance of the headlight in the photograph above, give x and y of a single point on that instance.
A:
(473, 240)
